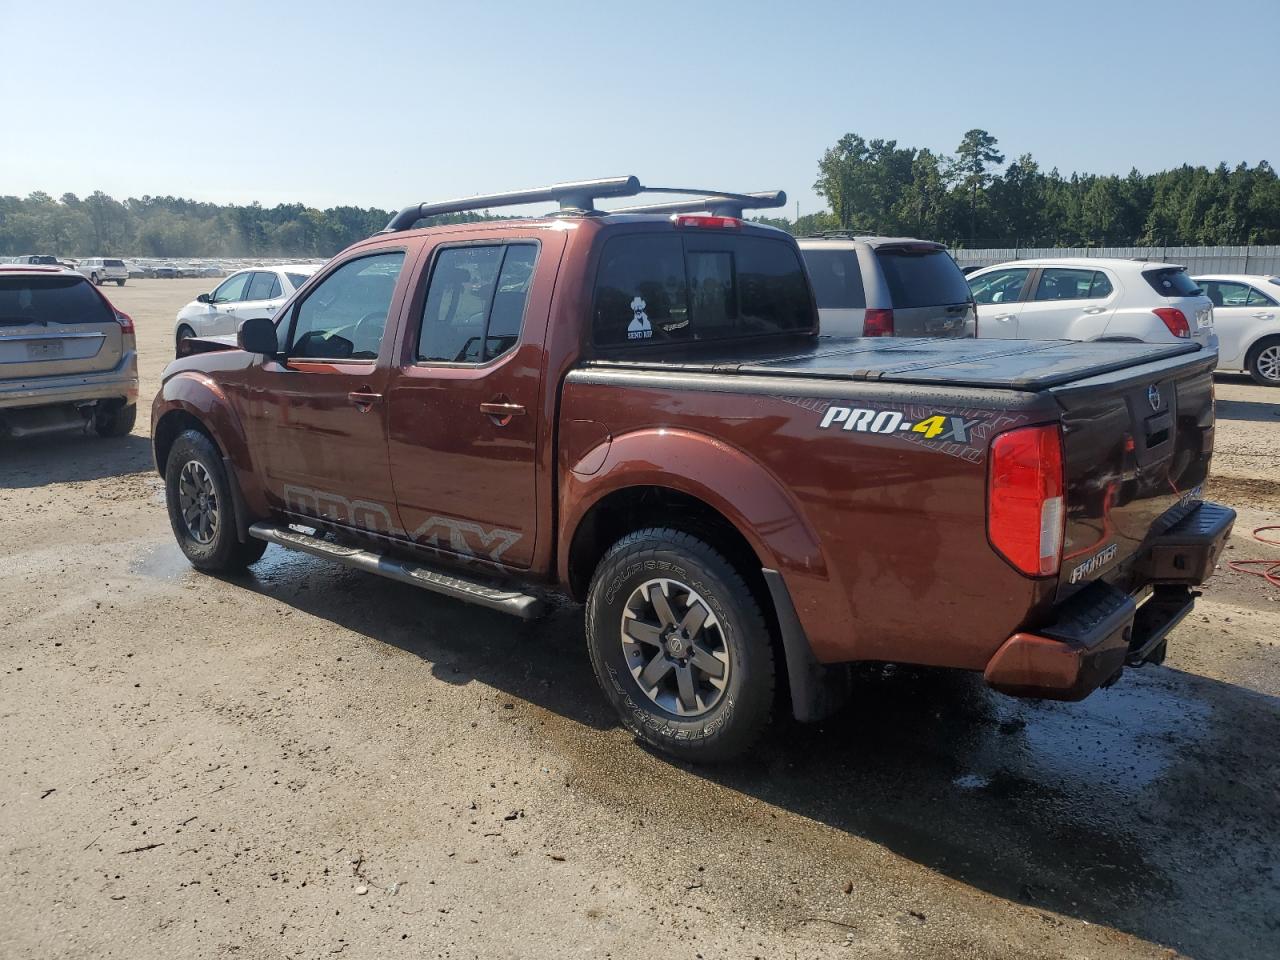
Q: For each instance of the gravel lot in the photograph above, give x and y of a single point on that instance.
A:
(310, 761)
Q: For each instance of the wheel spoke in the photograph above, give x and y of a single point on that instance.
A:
(658, 668)
(694, 618)
(688, 693)
(707, 662)
(643, 632)
(661, 606)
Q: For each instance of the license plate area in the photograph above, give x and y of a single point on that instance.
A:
(46, 350)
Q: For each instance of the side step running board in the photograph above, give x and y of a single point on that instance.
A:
(517, 604)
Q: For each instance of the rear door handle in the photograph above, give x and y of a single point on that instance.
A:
(1263, 316)
(1094, 310)
(364, 398)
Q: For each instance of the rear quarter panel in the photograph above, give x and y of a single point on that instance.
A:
(880, 537)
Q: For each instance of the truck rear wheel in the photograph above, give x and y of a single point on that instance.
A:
(680, 646)
(201, 509)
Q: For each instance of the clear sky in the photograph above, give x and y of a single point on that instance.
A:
(384, 103)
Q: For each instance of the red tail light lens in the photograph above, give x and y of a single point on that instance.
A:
(706, 221)
(1025, 507)
(877, 323)
(125, 321)
(1175, 320)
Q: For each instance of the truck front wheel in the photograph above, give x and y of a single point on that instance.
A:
(201, 509)
(680, 646)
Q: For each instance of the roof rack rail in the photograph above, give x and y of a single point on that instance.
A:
(839, 235)
(716, 203)
(578, 197)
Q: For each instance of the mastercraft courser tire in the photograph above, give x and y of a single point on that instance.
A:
(201, 508)
(723, 670)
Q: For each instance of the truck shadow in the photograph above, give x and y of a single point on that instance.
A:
(1254, 411)
(1149, 808)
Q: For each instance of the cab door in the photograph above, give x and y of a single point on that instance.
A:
(466, 424)
(317, 412)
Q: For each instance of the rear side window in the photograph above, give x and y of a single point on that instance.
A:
(42, 300)
(297, 279)
(1171, 282)
(113, 263)
(1061, 283)
(263, 286)
(922, 278)
(836, 278)
(475, 302)
(667, 288)
(1259, 299)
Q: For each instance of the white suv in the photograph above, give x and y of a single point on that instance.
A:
(1246, 315)
(255, 292)
(1085, 298)
(102, 270)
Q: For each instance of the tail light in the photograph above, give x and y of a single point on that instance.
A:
(706, 221)
(1175, 320)
(1025, 507)
(877, 322)
(125, 321)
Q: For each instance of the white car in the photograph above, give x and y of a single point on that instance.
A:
(254, 292)
(1086, 298)
(1246, 314)
(102, 270)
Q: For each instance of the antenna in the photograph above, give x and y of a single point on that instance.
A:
(720, 204)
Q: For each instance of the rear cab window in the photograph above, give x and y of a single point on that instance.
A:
(1172, 282)
(920, 275)
(676, 288)
(50, 299)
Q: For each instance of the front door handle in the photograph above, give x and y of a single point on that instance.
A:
(364, 398)
(1094, 310)
(1003, 317)
(502, 410)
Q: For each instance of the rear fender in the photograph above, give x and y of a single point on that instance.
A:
(204, 399)
(738, 487)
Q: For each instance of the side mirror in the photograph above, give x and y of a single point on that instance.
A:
(205, 298)
(258, 335)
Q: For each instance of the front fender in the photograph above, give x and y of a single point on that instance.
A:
(741, 489)
(201, 397)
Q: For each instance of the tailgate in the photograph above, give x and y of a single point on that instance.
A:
(1138, 444)
(55, 325)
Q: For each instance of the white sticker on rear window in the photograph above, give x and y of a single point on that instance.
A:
(639, 328)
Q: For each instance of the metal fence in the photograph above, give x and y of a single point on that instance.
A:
(1260, 260)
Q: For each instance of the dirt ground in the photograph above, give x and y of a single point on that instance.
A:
(308, 761)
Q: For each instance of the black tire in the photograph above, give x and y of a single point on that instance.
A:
(119, 283)
(184, 333)
(221, 551)
(741, 709)
(116, 421)
(93, 278)
(1263, 363)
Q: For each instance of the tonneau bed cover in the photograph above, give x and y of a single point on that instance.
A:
(1029, 365)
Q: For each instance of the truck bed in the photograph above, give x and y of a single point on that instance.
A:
(1024, 365)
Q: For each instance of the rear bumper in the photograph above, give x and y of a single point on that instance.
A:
(121, 381)
(1101, 629)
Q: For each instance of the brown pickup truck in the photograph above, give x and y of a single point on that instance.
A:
(636, 408)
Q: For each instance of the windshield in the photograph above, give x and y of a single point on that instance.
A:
(922, 277)
(45, 300)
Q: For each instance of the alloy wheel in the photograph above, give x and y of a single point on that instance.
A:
(675, 647)
(1268, 363)
(198, 502)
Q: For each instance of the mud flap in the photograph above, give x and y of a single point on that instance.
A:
(817, 689)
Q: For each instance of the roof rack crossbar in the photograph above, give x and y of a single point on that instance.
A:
(578, 195)
(717, 203)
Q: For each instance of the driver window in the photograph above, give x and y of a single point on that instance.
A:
(344, 316)
(231, 289)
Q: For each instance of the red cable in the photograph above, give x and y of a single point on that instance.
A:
(1272, 572)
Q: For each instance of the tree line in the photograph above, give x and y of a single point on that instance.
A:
(175, 227)
(972, 198)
